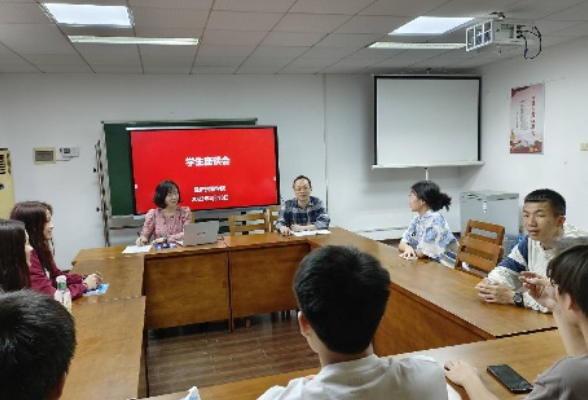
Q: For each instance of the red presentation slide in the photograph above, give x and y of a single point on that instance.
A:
(229, 167)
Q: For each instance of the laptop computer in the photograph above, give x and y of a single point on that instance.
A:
(200, 233)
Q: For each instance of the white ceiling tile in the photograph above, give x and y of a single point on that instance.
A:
(171, 61)
(469, 8)
(214, 70)
(303, 62)
(53, 68)
(357, 40)
(117, 69)
(12, 58)
(224, 51)
(372, 24)
(212, 61)
(458, 54)
(96, 31)
(167, 18)
(155, 69)
(326, 52)
(18, 68)
(171, 4)
(578, 30)
(242, 21)
(95, 2)
(401, 8)
(552, 41)
(275, 62)
(310, 23)
(537, 9)
(300, 70)
(437, 63)
(258, 70)
(34, 39)
(269, 6)
(22, 13)
(104, 54)
(168, 51)
(342, 69)
(232, 38)
(348, 7)
(285, 51)
(375, 54)
(292, 39)
(576, 13)
(547, 27)
(53, 59)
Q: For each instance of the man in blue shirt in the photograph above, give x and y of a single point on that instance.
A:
(304, 212)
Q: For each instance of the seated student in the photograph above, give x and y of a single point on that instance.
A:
(36, 216)
(37, 343)
(166, 222)
(565, 293)
(304, 212)
(428, 234)
(15, 256)
(544, 215)
(342, 294)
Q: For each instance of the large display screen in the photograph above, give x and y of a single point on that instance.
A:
(215, 168)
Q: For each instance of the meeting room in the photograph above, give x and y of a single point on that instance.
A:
(293, 199)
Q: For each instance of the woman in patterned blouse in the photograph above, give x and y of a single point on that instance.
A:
(166, 222)
(428, 234)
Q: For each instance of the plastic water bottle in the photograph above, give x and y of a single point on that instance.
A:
(62, 294)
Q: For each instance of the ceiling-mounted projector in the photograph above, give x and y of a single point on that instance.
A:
(498, 32)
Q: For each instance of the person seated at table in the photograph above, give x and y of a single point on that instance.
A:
(37, 343)
(565, 293)
(544, 218)
(428, 234)
(15, 256)
(304, 212)
(342, 294)
(43, 272)
(166, 222)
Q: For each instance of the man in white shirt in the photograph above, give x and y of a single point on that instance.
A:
(544, 216)
(563, 293)
(342, 294)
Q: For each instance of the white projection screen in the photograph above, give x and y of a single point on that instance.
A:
(426, 121)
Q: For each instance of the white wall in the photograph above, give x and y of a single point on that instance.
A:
(324, 124)
(562, 167)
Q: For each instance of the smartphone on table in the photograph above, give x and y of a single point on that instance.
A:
(510, 378)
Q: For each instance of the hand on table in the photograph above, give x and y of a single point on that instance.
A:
(540, 288)
(492, 292)
(284, 230)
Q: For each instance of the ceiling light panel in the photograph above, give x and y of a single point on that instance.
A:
(86, 14)
(430, 26)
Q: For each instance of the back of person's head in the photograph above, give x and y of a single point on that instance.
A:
(162, 190)
(430, 193)
(14, 270)
(555, 200)
(302, 177)
(34, 216)
(569, 271)
(343, 293)
(37, 343)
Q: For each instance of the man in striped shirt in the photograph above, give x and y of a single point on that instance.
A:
(544, 216)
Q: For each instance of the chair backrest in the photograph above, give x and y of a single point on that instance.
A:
(272, 217)
(485, 231)
(247, 223)
(481, 255)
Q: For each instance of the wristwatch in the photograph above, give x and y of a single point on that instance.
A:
(518, 300)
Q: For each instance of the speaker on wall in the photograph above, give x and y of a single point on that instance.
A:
(6, 185)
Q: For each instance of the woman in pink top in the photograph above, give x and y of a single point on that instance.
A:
(166, 222)
(36, 216)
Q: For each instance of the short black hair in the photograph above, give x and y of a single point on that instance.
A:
(37, 343)
(569, 270)
(555, 200)
(162, 190)
(14, 271)
(343, 293)
(430, 193)
(302, 177)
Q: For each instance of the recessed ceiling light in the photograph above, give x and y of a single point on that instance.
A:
(429, 26)
(135, 40)
(88, 14)
(416, 46)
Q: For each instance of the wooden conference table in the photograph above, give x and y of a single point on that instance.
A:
(430, 305)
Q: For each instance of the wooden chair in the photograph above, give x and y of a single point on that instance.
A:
(480, 255)
(485, 231)
(248, 223)
(272, 217)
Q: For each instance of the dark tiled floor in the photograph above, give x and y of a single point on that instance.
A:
(207, 354)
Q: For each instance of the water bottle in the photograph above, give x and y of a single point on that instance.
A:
(62, 294)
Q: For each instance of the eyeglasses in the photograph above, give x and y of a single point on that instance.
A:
(302, 189)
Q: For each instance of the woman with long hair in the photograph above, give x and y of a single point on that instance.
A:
(36, 217)
(166, 222)
(15, 256)
(428, 234)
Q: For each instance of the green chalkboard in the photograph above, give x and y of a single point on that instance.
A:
(118, 155)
